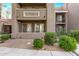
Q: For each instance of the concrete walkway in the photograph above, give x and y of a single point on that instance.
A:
(4, 51)
(77, 50)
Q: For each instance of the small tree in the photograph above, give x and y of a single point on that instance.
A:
(50, 38)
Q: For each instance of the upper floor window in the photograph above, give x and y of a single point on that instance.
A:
(59, 18)
(6, 11)
(58, 5)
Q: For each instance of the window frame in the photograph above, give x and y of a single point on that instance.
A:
(59, 18)
(39, 27)
(22, 27)
(32, 27)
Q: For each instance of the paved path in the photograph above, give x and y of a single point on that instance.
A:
(77, 50)
(27, 44)
(4, 51)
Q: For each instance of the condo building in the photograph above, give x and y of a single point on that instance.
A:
(32, 20)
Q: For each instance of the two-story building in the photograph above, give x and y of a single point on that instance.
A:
(32, 20)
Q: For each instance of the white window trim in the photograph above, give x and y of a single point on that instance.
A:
(24, 13)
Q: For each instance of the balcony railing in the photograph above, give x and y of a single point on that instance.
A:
(31, 14)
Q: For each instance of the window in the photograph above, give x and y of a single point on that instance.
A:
(58, 5)
(29, 28)
(39, 27)
(59, 18)
(6, 11)
(24, 25)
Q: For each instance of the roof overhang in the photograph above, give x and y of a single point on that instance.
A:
(61, 11)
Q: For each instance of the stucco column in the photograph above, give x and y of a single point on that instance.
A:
(50, 17)
(15, 24)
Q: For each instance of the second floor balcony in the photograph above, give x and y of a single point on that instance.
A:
(31, 14)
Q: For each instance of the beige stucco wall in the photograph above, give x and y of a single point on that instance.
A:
(30, 35)
(15, 23)
(50, 17)
(73, 16)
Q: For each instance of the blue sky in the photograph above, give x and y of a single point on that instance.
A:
(57, 5)
(7, 6)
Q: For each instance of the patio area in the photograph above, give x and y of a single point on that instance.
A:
(27, 44)
(24, 47)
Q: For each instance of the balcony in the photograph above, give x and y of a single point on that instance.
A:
(31, 14)
(61, 23)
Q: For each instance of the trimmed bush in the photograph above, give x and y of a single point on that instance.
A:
(67, 43)
(38, 43)
(50, 38)
(4, 37)
(75, 34)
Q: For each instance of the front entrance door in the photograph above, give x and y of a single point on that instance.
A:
(7, 29)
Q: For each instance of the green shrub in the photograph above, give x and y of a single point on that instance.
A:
(50, 38)
(75, 34)
(4, 37)
(67, 43)
(62, 32)
(38, 43)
